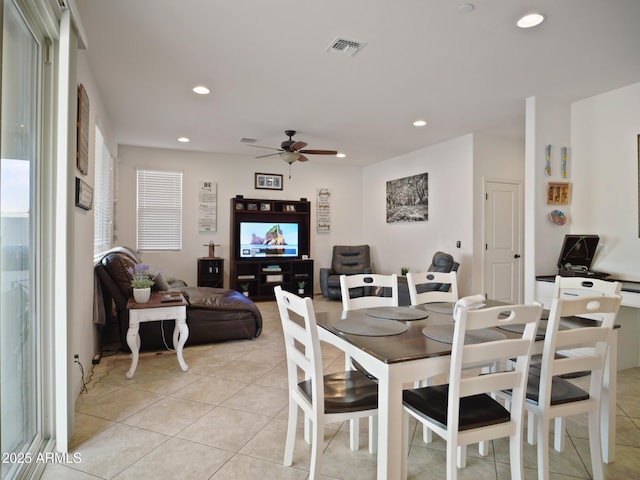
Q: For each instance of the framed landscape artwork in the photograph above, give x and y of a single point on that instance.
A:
(408, 199)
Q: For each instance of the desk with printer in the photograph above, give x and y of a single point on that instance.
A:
(575, 260)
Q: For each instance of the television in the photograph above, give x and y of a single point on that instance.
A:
(268, 239)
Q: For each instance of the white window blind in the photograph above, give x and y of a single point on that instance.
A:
(159, 210)
(102, 197)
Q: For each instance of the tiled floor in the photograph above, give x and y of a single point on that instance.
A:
(226, 419)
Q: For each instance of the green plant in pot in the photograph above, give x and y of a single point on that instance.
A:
(244, 288)
(301, 286)
(404, 271)
(141, 282)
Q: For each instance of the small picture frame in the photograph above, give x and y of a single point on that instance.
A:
(289, 208)
(252, 206)
(84, 194)
(265, 207)
(239, 206)
(268, 181)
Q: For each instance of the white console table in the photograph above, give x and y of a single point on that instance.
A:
(156, 310)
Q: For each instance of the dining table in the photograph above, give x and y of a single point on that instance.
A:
(403, 345)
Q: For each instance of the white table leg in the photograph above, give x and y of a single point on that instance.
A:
(180, 335)
(390, 424)
(133, 340)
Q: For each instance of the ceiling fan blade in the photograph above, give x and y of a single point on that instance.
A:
(270, 148)
(297, 146)
(268, 155)
(302, 158)
(319, 152)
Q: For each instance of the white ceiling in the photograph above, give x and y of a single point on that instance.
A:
(268, 71)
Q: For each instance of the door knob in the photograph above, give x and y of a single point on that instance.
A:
(516, 256)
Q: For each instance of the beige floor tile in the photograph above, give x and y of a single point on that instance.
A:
(87, 426)
(169, 415)
(210, 390)
(178, 459)
(56, 471)
(114, 450)
(259, 399)
(225, 428)
(249, 468)
(117, 404)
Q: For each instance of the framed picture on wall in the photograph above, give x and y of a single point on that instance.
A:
(268, 181)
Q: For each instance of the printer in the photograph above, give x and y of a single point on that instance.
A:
(576, 256)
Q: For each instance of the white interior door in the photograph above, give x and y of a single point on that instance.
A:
(503, 240)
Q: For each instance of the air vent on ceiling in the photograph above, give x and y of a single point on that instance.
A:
(248, 140)
(342, 46)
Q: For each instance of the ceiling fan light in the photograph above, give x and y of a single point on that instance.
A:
(290, 157)
(341, 155)
(201, 90)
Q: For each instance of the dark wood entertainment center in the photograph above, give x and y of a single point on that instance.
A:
(259, 274)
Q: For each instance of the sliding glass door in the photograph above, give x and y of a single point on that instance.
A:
(19, 241)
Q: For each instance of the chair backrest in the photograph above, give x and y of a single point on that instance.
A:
(573, 287)
(468, 355)
(351, 259)
(369, 280)
(584, 287)
(419, 295)
(302, 344)
(588, 344)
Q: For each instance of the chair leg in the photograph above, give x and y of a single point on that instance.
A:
(483, 448)
(316, 450)
(461, 461)
(291, 433)
(354, 427)
(595, 444)
(531, 428)
(542, 425)
(452, 448)
(515, 454)
(373, 434)
(404, 452)
(558, 434)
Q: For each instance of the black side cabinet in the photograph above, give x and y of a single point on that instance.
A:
(210, 272)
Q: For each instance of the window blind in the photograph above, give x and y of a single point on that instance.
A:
(103, 197)
(159, 211)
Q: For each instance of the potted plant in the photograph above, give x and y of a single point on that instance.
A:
(301, 286)
(404, 271)
(141, 282)
(244, 288)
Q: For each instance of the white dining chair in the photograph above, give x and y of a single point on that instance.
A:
(323, 398)
(463, 411)
(426, 287)
(549, 394)
(571, 287)
(374, 281)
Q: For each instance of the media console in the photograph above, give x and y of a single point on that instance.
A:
(270, 245)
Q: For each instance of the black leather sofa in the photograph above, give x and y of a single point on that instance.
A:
(213, 314)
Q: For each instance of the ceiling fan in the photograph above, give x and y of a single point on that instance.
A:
(291, 151)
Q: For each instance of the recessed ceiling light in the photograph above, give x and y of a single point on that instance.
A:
(419, 123)
(201, 90)
(184, 140)
(530, 20)
(340, 155)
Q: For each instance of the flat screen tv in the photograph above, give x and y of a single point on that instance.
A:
(268, 239)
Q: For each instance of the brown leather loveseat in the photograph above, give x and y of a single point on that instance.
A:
(213, 314)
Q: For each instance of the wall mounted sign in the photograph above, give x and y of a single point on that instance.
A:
(207, 207)
(82, 126)
(84, 194)
(323, 210)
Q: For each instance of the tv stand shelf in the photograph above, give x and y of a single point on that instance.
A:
(257, 267)
(259, 276)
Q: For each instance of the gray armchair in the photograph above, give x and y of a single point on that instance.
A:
(346, 260)
(441, 262)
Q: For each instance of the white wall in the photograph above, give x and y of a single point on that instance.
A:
(412, 245)
(84, 340)
(234, 175)
(604, 136)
